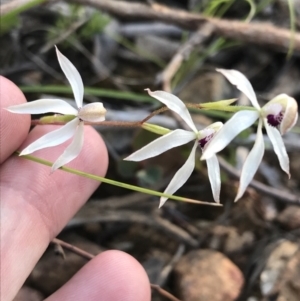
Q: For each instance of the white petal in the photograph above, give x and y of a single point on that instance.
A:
(73, 77)
(252, 162)
(181, 175)
(236, 124)
(279, 147)
(53, 138)
(214, 176)
(42, 106)
(73, 150)
(176, 105)
(162, 144)
(239, 80)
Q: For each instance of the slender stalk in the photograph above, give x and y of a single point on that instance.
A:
(62, 119)
(156, 112)
(119, 184)
(55, 121)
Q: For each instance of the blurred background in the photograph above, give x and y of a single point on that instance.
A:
(242, 251)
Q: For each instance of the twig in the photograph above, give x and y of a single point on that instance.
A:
(258, 33)
(163, 292)
(129, 216)
(14, 5)
(72, 248)
(65, 34)
(11, 6)
(170, 266)
(42, 65)
(276, 193)
(59, 250)
(89, 256)
(183, 53)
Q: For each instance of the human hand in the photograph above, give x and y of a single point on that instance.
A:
(35, 206)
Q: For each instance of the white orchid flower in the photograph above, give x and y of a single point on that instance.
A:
(278, 116)
(179, 137)
(94, 112)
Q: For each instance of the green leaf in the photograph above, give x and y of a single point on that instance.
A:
(10, 19)
(91, 91)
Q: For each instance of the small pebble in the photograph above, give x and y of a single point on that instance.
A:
(203, 275)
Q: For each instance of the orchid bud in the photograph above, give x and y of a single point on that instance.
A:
(208, 133)
(281, 112)
(93, 112)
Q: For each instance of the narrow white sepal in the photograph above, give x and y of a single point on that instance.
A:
(181, 175)
(73, 77)
(174, 104)
(214, 176)
(279, 148)
(162, 144)
(252, 162)
(53, 138)
(239, 80)
(73, 150)
(236, 124)
(42, 106)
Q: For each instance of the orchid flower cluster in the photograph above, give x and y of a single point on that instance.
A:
(277, 116)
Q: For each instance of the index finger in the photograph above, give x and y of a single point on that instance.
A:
(35, 205)
(13, 127)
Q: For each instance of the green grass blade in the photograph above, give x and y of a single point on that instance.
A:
(91, 91)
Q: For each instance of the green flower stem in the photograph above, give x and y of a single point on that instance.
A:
(63, 119)
(215, 111)
(116, 183)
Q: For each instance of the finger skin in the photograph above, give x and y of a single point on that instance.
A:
(13, 127)
(111, 276)
(36, 205)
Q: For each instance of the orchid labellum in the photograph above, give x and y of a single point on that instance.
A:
(278, 116)
(179, 137)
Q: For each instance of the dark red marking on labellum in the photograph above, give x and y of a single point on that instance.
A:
(275, 120)
(202, 142)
